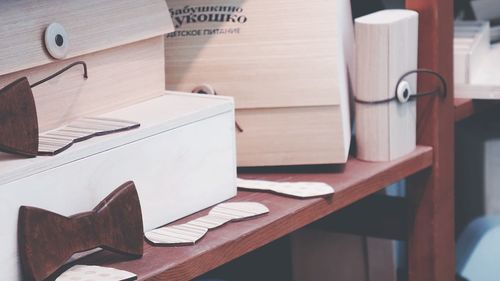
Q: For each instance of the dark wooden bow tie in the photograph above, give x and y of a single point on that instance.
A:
(47, 240)
(18, 119)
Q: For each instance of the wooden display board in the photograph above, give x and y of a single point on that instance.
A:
(288, 65)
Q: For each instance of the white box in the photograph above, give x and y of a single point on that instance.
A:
(182, 159)
(471, 45)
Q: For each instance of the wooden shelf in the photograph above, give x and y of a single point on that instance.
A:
(357, 180)
(465, 108)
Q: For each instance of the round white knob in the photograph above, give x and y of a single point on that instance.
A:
(404, 92)
(56, 41)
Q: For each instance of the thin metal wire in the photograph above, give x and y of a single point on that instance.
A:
(443, 92)
(85, 76)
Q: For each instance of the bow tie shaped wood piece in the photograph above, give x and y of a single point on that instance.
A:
(18, 119)
(18, 116)
(47, 240)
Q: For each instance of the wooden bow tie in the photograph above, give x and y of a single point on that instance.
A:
(18, 116)
(47, 240)
(18, 119)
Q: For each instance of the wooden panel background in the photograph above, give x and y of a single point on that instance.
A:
(117, 77)
(91, 25)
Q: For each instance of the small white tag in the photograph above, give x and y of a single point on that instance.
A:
(296, 189)
(95, 273)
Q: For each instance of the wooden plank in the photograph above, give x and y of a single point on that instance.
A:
(91, 26)
(465, 108)
(116, 79)
(431, 243)
(376, 216)
(357, 180)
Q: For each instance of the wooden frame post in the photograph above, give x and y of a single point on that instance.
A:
(431, 244)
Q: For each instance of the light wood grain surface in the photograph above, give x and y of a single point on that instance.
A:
(387, 48)
(286, 215)
(280, 61)
(118, 77)
(91, 26)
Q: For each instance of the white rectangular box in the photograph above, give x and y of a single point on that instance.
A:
(182, 159)
(471, 45)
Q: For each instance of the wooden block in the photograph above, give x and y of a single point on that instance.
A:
(91, 26)
(115, 224)
(290, 78)
(387, 48)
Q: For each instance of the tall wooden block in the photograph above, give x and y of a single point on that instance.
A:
(387, 43)
(288, 65)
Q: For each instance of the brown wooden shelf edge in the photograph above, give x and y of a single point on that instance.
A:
(358, 180)
(465, 108)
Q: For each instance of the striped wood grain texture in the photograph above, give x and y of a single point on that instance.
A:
(118, 77)
(92, 26)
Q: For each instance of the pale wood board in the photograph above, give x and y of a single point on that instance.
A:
(286, 215)
(471, 45)
(387, 48)
(182, 110)
(118, 77)
(95, 273)
(91, 26)
(276, 69)
(291, 136)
